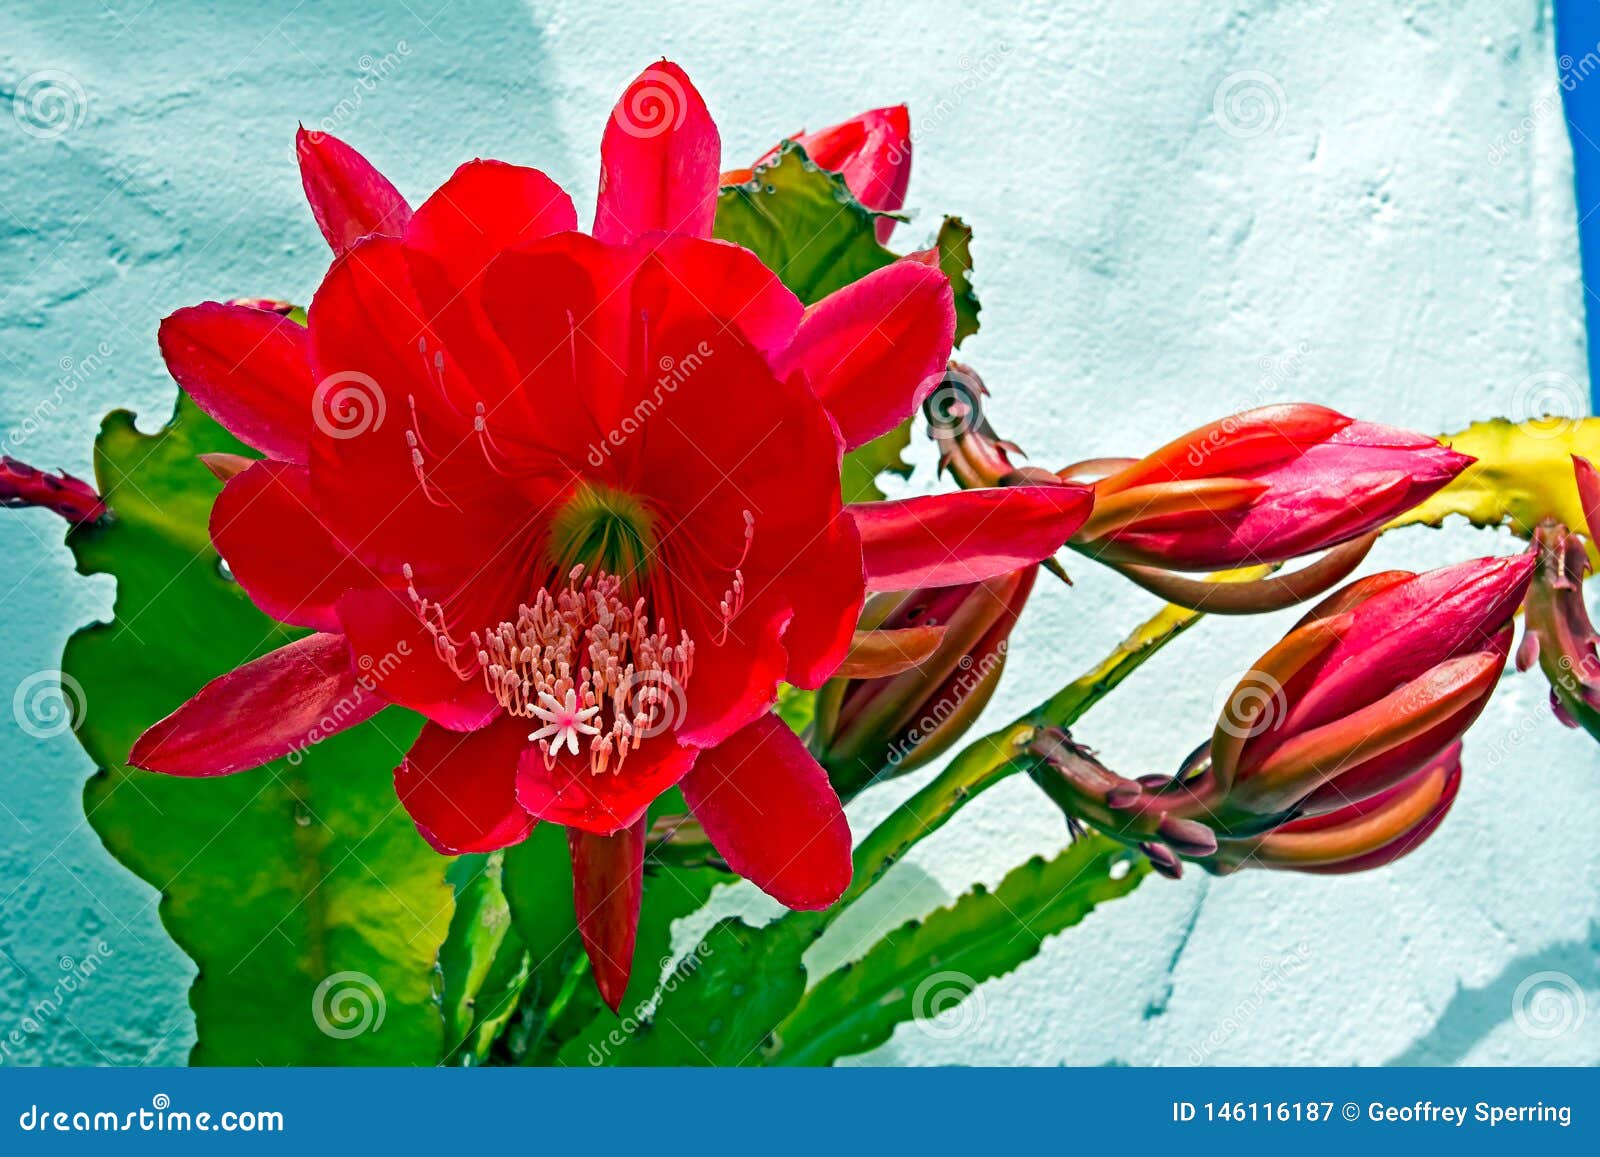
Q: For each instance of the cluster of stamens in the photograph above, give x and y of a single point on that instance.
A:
(588, 666)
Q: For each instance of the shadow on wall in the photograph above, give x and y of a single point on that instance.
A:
(1543, 991)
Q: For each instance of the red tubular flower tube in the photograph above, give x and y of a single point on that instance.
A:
(575, 499)
(949, 644)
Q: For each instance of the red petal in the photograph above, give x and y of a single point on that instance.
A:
(658, 160)
(830, 586)
(607, 888)
(568, 792)
(727, 281)
(284, 701)
(265, 528)
(485, 208)
(767, 806)
(966, 537)
(872, 152)
(349, 198)
(247, 368)
(392, 644)
(875, 349)
(1588, 494)
(461, 789)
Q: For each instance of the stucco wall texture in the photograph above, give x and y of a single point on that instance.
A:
(1181, 209)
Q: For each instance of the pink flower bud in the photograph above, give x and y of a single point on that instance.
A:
(1263, 486)
(1560, 635)
(871, 728)
(872, 152)
(72, 498)
(1372, 684)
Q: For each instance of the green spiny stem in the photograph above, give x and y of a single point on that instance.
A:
(991, 759)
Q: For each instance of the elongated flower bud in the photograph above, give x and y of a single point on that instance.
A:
(872, 728)
(872, 152)
(1263, 486)
(1373, 683)
(1339, 751)
(1560, 635)
(1367, 834)
(72, 498)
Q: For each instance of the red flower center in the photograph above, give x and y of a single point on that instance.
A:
(587, 665)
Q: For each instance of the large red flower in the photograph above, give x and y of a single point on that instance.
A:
(575, 499)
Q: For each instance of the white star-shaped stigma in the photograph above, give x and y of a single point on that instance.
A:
(566, 721)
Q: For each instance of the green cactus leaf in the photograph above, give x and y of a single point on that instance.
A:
(311, 906)
(1522, 476)
(484, 963)
(925, 969)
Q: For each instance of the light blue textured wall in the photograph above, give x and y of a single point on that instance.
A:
(1395, 238)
